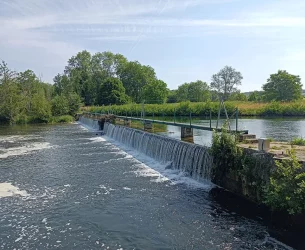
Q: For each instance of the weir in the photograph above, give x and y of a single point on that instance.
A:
(192, 159)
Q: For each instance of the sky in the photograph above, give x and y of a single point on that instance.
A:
(183, 40)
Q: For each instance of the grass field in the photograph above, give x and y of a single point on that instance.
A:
(204, 109)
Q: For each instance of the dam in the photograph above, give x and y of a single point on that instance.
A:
(65, 187)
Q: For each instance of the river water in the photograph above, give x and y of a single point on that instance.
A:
(64, 187)
(279, 129)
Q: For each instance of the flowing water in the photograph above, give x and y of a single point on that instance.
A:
(65, 187)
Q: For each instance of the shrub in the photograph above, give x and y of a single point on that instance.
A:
(286, 190)
(298, 141)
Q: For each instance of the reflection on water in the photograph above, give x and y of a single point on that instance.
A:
(279, 129)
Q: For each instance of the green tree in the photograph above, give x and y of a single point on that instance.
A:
(172, 96)
(10, 101)
(255, 96)
(79, 73)
(155, 92)
(226, 81)
(283, 86)
(60, 105)
(194, 91)
(237, 96)
(112, 91)
(134, 77)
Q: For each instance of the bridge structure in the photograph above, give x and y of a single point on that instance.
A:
(186, 128)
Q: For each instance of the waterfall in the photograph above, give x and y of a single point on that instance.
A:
(92, 124)
(190, 158)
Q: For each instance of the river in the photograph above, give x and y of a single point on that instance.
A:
(64, 187)
(279, 129)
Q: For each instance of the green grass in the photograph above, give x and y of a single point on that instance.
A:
(298, 141)
(204, 108)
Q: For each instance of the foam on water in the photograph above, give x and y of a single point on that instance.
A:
(146, 166)
(23, 150)
(7, 189)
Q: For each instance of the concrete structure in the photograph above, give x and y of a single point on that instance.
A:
(148, 125)
(264, 144)
(127, 122)
(186, 132)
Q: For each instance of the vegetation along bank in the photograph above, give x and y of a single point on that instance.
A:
(105, 78)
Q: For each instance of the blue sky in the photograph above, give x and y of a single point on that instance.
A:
(183, 40)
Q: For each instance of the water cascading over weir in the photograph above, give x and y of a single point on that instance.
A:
(192, 159)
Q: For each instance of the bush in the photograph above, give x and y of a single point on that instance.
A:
(61, 119)
(298, 141)
(286, 190)
(226, 154)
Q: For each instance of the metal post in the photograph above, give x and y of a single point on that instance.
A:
(175, 115)
(163, 117)
(236, 119)
(143, 111)
(218, 117)
(153, 116)
(190, 118)
(210, 118)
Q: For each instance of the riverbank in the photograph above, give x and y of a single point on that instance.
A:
(206, 108)
(33, 120)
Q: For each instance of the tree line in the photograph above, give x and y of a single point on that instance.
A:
(107, 78)
(25, 98)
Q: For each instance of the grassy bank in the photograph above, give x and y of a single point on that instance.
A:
(204, 108)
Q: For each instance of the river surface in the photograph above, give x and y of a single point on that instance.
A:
(64, 187)
(279, 129)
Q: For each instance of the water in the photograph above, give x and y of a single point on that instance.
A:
(67, 188)
(279, 129)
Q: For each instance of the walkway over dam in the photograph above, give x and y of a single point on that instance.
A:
(186, 128)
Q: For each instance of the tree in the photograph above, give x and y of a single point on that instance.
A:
(112, 91)
(198, 91)
(60, 105)
(283, 86)
(194, 91)
(172, 96)
(134, 77)
(255, 96)
(79, 73)
(155, 92)
(226, 81)
(10, 101)
(237, 96)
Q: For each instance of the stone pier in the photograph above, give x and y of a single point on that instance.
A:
(186, 132)
(148, 125)
(127, 122)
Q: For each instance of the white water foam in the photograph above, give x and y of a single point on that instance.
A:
(158, 172)
(23, 150)
(7, 189)
(97, 139)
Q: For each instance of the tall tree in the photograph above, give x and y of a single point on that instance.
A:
(194, 91)
(283, 86)
(134, 77)
(155, 92)
(226, 81)
(237, 96)
(80, 74)
(112, 91)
